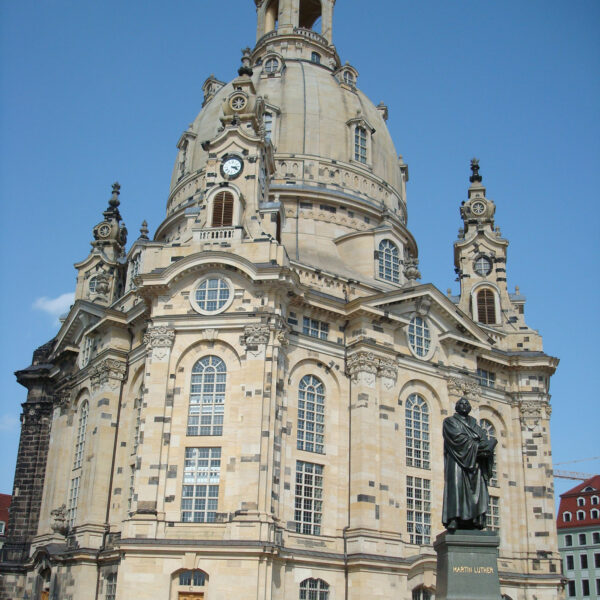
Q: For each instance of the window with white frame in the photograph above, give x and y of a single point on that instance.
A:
(421, 593)
(314, 589)
(311, 415)
(580, 515)
(389, 261)
(492, 518)
(491, 431)
(418, 509)
(568, 540)
(131, 487)
(195, 578)
(200, 494)
(207, 397)
(596, 537)
(486, 378)
(360, 144)
(271, 65)
(567, 517)
(483, 266)
(268, 123)
(308, 505)
(595, 514)
(87, 350)
(595, 501)
(580, 501)
(73, 500)
(81, 431)
(111, 586)
(315, 328)
(582, 539)
(419, 336)
(211, 295)
(417, 432)
(348, 78)
(92, 284)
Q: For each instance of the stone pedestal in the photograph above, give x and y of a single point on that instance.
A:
(467, 565)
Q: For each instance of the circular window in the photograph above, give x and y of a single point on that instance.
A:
(271, 65)
(478, 208)
(238, 102)
(483, 266)
(211, 295)
(419, 337)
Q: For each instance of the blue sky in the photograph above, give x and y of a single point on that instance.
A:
(93, 92)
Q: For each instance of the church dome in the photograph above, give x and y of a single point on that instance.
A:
(325, 131)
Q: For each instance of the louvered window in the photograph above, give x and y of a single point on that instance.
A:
(486, 307)
(223, 210)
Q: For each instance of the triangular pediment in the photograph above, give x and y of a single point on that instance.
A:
(427, 300)
(81, 317)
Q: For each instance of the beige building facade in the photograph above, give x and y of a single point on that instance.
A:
(249, 405)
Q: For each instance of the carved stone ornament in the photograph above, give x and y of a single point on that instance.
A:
(255, 335)
(388, 371)
(363, 367)
(159, 341)
(533, 411)
(59, 520)
(411, 271)
(458, 386)
(108, 373)
(281, 329)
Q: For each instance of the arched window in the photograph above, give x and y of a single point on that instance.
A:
(315, 57)
(580, 515)
(271, 65)
(491, 431)
(222, 215)
(567, 517)
(595, 513)
(311, 415)
(389, 261)
(568, 540)
(419, 336)
(580, 501)
(582, 539)
(207, 397)
(92, 284)
(195, 578)
(81, 430)
(486, 307)
(421, 593)
(271, 15)
(314, 589)
(268, 122)
(417, 432)
(309, 14)
(595, 501)
(360, 144)
(348, 77)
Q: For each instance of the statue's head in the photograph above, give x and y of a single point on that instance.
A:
(463, 407)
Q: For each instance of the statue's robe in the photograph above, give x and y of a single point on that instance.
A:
(468, 464)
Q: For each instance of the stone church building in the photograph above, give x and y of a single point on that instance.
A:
(249, 403)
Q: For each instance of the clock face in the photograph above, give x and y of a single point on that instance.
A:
(231, 167)
(104, 230)
(478, 208)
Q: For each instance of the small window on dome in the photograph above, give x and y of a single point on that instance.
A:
(348, 78)
(389, 261)
(360, 144)
(315, 57)
(271, 65)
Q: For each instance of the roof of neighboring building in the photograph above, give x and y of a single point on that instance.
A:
(589, 491)
(4, 506)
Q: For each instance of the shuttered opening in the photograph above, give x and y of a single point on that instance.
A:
(486, 307)
(223, 210)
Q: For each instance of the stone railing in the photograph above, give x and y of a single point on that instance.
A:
(218, 233)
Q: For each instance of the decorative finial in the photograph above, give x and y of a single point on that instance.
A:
(476, 177)
(116, 190)
(245, 69)
(144, 231)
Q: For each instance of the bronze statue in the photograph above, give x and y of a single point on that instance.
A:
(468, 464)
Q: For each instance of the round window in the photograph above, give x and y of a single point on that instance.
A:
(419, 337)
(483, 266)
(238, 102)
(211, 295)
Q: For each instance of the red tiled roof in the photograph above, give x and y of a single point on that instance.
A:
(568, 503)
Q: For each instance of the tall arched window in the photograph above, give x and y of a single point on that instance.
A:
(491, 431)
(81, 430)
(207, 397)
(311, 415)
(421, 593)
(223, 210)
(486, 307)
(417, 432)
(360, 144)
(314, 589)
(389, 261)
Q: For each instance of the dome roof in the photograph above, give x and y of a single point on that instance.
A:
(316, 112)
